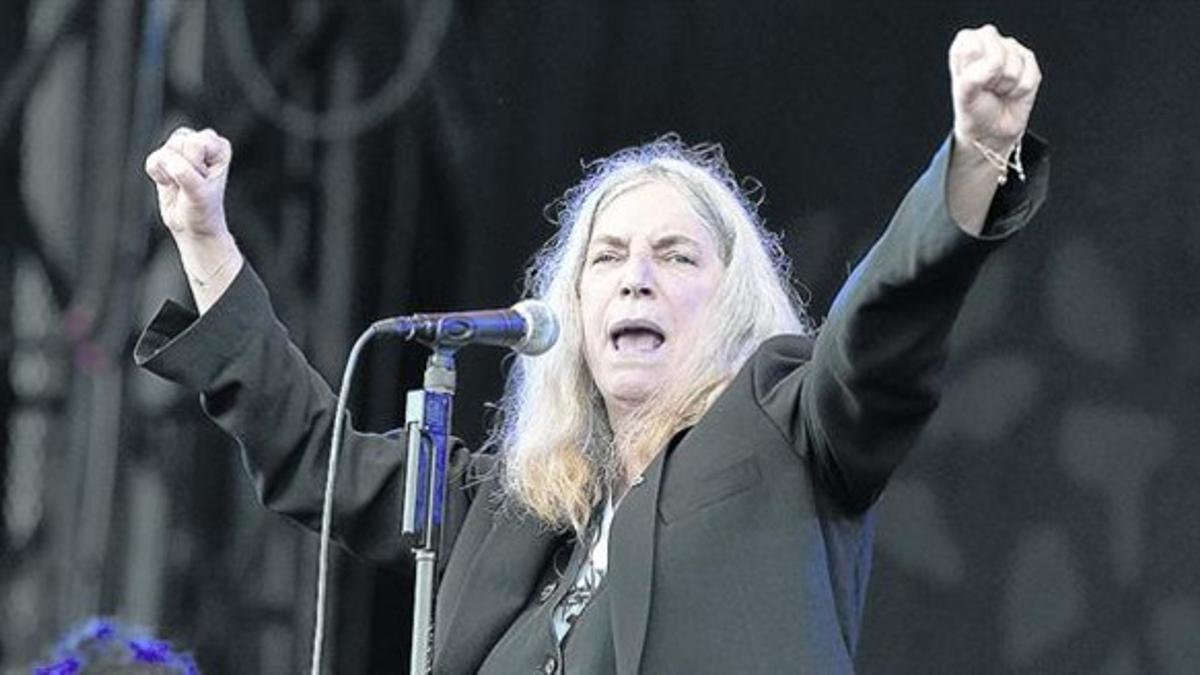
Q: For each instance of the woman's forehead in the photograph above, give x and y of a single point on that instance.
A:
(647, 207)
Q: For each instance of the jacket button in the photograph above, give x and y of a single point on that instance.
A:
(547, 591)
(550, 666)
(638, 480)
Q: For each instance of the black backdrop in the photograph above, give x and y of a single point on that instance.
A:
(1045, 523)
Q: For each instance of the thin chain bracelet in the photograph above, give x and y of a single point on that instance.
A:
(209, 278)
(1002, 163)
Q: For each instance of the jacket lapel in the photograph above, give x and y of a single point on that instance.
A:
(631, 566)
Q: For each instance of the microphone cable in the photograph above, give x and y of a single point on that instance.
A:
(335, 447)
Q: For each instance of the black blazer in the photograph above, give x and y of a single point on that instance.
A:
(747, 546)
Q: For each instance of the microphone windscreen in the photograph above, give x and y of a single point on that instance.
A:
(541, 327)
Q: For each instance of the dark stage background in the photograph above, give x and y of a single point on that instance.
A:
(396, 156)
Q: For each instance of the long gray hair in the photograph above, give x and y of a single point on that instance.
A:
(560, 454)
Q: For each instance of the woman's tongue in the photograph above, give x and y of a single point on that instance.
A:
(636, 341)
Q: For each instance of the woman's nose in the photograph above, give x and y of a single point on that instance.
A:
(636, 279)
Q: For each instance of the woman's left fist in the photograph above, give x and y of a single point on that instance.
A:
(994, 81)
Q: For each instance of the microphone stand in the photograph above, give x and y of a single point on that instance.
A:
(427, 423)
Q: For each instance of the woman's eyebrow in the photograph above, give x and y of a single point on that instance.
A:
(608, 240)
(669, 240)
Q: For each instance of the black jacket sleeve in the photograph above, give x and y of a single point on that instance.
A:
(874, 376)
(257, 386)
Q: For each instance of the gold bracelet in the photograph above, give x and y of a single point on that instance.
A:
(1002, 163)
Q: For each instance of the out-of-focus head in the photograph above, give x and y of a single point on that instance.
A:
(664, 282)
(104, 646)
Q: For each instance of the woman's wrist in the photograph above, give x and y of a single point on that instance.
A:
(210, 262)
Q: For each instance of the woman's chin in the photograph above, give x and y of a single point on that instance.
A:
(628, 397)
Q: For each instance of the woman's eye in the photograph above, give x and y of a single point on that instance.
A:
(681, 258)
(603, 257)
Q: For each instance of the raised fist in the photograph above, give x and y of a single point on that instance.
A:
(189, 171)
(994, 81)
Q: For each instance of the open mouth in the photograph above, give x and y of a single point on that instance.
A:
(636, 336)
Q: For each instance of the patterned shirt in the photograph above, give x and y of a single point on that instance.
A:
(591, 574)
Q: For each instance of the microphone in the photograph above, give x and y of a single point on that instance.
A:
(528, 327)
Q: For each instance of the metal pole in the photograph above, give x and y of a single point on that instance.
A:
(427, 421)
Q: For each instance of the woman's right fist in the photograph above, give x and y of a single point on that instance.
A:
(189, 171)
